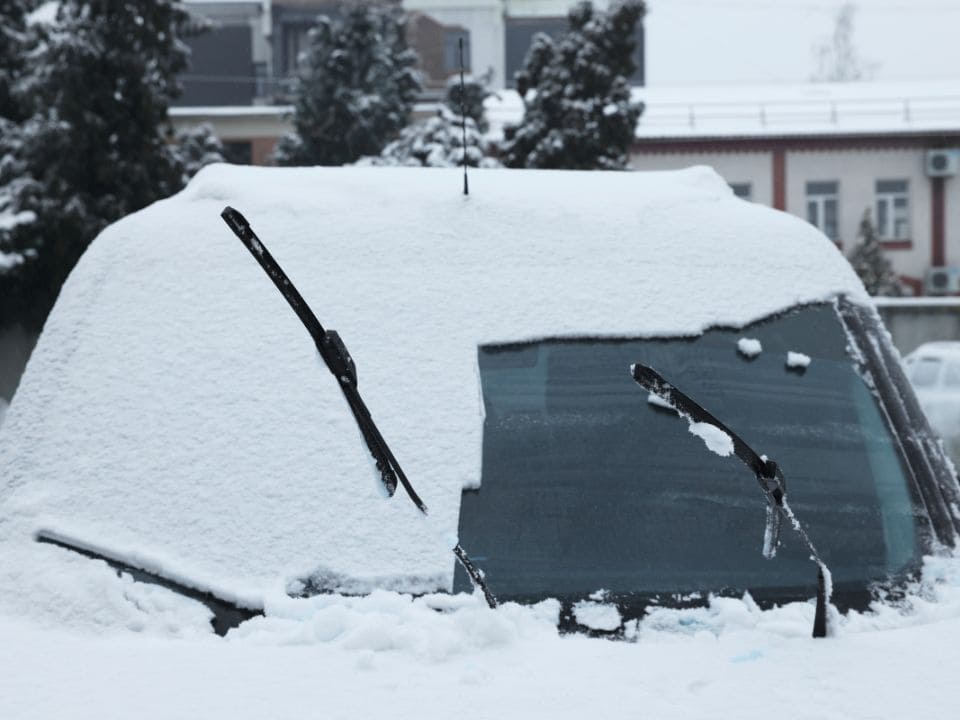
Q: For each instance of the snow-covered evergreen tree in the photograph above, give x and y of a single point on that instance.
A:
(196, 148)
(475, 91)
(869, 262)
(436, 142)
(355, 90)
(15, 44)
(578, 111)
(93, 146)
(13, 47)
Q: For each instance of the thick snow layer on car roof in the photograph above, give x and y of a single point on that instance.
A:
(175, 411)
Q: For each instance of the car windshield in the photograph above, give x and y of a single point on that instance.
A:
(587, 485)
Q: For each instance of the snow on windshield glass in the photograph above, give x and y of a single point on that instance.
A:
(175, 409)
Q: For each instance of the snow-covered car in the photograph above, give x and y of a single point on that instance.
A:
(176, 421)
(934, 371)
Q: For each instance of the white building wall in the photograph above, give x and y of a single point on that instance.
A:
(755, 168)
(484, 20)
(952, 235)
(857, 171)
(255, 122)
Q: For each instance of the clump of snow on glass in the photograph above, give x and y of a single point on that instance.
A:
(749, 347)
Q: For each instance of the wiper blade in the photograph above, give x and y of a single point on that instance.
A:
(334, 354)
(767, 472)
(338, 361)
(226, 614)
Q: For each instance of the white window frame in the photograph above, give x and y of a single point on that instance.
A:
(820, 200)
(887, 199)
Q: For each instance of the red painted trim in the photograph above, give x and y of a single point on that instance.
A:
(896, 244)
(915, 284)
(937, 222)
(795, 144)
(780, 179)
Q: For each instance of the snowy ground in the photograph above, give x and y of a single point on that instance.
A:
(387, 655)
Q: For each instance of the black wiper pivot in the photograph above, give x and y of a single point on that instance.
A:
(338, 361)
(767, 472)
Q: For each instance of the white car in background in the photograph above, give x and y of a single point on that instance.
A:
(934, 371)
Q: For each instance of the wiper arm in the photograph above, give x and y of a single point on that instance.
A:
(338, 361)
(227, 614)
(768, 475)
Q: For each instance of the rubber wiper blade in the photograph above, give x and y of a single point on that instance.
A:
(334, 354)
(226, 614)
(338, 361)
(768, 474)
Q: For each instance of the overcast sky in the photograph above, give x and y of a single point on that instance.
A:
(691, 42)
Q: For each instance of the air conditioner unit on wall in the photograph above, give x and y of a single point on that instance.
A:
(943, 163)
(942, 281)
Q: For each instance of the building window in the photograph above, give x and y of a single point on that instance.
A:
(238, 152)
(823, 206)
(744, 191)
(893, 209)
(295, 41)
(451, 50)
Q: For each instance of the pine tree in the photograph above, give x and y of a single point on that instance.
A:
(356, 88)
(196, 148)
(15, 43)
(870, 264)
(436, 142)
(93, 145)
(578, 113)
(475, 91)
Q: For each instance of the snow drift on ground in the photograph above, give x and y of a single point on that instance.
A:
(388, 655)
(175, 409)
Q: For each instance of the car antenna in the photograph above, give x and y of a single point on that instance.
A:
(338, 361)
(768, 474)
(463, 120)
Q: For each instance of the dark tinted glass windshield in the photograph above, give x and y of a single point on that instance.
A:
(588, 485)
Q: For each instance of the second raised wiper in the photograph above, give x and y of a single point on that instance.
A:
(768, 475)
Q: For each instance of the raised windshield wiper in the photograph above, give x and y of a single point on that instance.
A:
(339, 362)
(768, 474)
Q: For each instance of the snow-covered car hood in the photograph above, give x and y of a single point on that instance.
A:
(176, 412)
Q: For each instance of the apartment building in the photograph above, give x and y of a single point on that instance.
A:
(829, 153)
